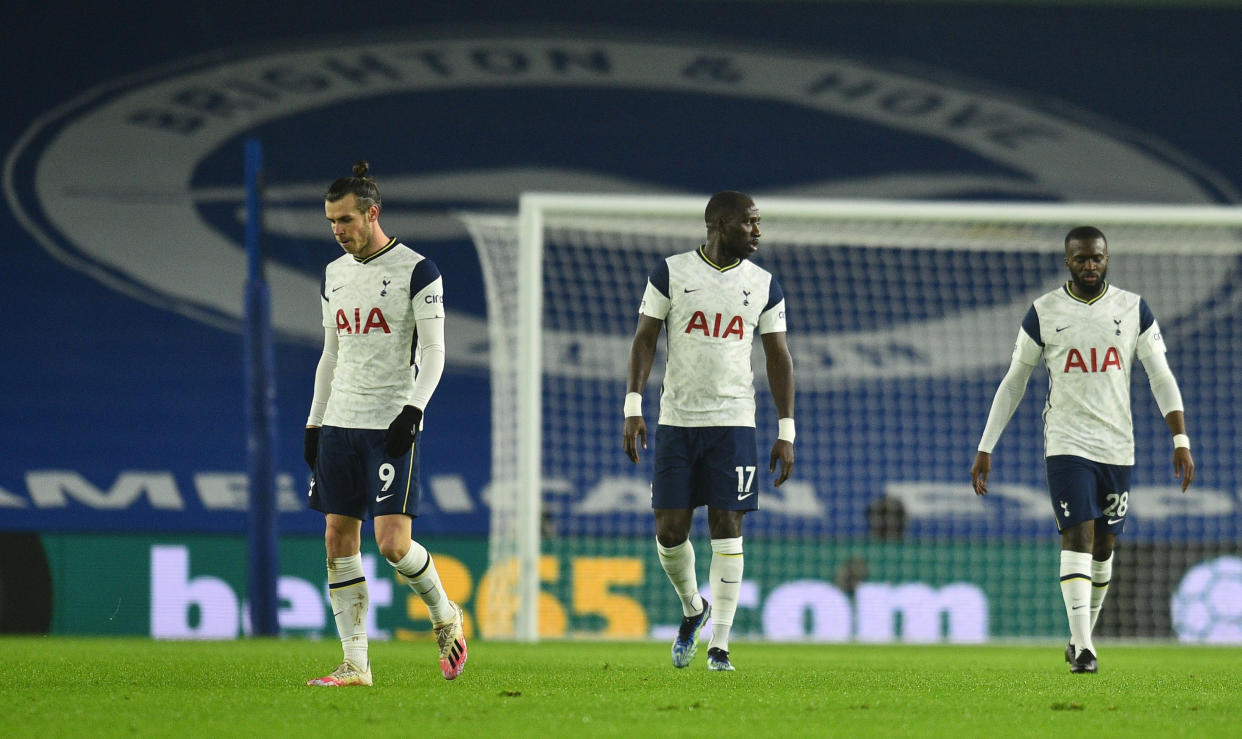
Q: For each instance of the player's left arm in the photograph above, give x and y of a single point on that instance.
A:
(427, 301)
(1169, 399)
(781, 383)
(780, 379)
(431, 361)
(1151, 352)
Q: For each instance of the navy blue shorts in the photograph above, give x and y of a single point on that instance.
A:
(714, 466)
(353, 477)
(1083, 490)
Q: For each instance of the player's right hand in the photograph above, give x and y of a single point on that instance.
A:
(310, 446)
(634, 433)
(979, 472)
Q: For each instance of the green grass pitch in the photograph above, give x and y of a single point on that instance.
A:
(56, 686)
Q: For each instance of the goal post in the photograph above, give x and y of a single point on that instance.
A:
(902, 315)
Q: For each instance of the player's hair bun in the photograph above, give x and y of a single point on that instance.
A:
(361, 168)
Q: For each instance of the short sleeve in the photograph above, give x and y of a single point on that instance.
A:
(426, 290)
(1030, 325)
(1147, 319)
(772, 319)
(656, 302)
(1025, 350)
(325, 305)
(1150, 340)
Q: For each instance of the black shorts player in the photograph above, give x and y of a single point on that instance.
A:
(713, 466)
(1083, 490)
(354, 477)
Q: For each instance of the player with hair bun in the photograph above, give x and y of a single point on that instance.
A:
(383, 356)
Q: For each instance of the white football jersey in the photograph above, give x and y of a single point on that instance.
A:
(374, 304)
(711, 314)
(1088, 348)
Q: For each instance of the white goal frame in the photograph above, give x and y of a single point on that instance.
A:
(537, 209)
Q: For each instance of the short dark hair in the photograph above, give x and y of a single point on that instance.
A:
(363, 188)
(1084, 233)
(726, 204)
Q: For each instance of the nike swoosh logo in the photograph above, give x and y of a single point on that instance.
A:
(1112, 521)
(338, 287)
(378, 499)
(744, 497)
(1075, 608)
(1062, 328)
(732, 582)
(695, 290)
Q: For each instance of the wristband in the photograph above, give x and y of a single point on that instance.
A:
(1181, 441)
(785, 430)
(633, 404)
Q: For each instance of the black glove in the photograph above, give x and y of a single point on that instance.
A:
(310, 446)
(402, 432)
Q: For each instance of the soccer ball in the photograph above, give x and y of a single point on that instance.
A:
(1207, 605)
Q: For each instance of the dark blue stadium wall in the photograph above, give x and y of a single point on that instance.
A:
(123, 379)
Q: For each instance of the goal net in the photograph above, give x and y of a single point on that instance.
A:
(901, 321)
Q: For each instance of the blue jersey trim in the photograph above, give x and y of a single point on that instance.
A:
(659, 278)
(423, 274)
(775, 294)
(1030, 324)
(1146, 317)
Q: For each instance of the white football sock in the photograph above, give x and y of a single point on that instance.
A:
(678, 564)
(347, 591)
(420, 573)
(726, 579)
(1101, 576)
(1076, 591)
